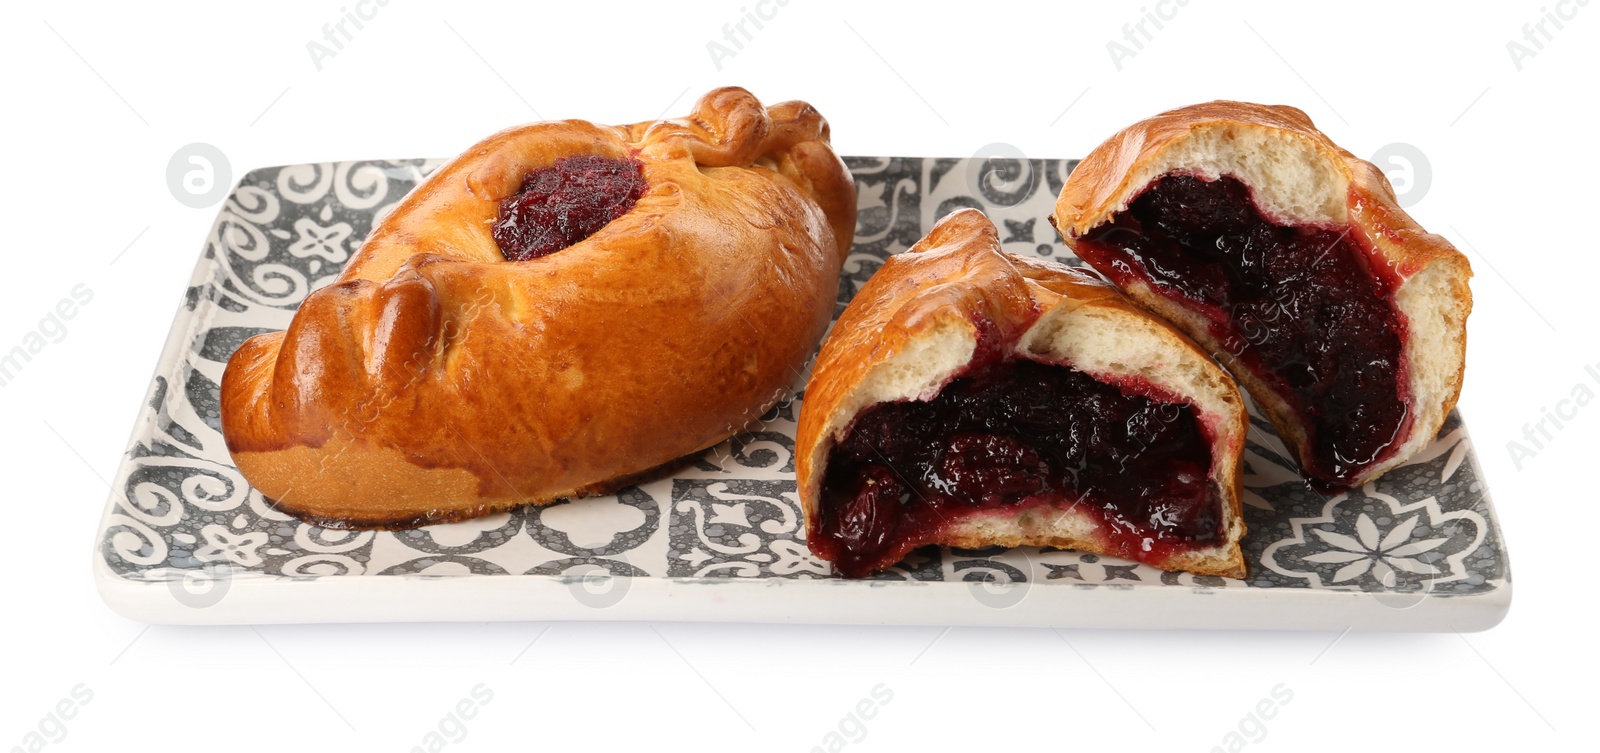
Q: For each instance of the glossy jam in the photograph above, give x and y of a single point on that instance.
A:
(1296, 304)
(560, 205)
(1010, 435)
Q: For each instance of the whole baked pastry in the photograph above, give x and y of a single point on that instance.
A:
(971, 398)
(560, 309)
(1291, 260)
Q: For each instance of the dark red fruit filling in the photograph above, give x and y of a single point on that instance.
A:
(1296, 304)
(560, 205)
(1017, 434)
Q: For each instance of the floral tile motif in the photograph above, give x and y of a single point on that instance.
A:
(1371, 540)
(181, 508)
(1415, 549)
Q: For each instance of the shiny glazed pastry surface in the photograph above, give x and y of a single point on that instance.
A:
(435, 380)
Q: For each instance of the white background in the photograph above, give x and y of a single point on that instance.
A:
(99, 96)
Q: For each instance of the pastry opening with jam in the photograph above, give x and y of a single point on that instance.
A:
(560, 205)
(1293, 263)
(971, 398)
(434, 380)
(1013, 435)
(1296, 304)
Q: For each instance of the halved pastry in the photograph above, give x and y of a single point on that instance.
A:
(970, 398)
(561, 308)
(1289, 259)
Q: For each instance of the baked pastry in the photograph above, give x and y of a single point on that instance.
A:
(563, 307)
(970, 398)
(1290, 260)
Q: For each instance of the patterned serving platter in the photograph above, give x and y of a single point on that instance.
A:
(184, 538)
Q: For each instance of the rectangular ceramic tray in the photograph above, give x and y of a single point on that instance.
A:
(185, 540)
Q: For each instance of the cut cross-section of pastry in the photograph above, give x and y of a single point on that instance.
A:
(563, 307)
(970, 398)
(1291, 260)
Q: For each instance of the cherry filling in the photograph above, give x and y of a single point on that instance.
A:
(560, 205)
(1296, 304)
(1016, 434)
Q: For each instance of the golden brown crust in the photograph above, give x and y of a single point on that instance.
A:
(1105, 178)
(334, 517)
(1103, 182)
(435, 380)
(957, 283)
(1399, 251)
